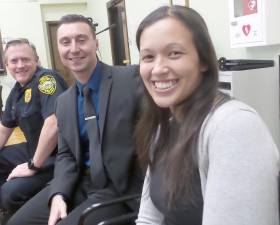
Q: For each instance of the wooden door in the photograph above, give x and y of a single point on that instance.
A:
(55, 58)
(118, 33)
(2, 66)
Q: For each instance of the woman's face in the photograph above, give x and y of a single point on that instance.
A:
(169, 62)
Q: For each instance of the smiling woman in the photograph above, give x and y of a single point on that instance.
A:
(202, 148)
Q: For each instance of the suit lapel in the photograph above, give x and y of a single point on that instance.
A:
(104, 94)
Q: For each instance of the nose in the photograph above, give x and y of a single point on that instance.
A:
(74, 47)
(20, 63)
(160, 66)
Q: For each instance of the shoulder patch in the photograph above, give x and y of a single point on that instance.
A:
(47, 84)
(27, 95)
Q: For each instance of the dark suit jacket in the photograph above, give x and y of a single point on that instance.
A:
(118, 107)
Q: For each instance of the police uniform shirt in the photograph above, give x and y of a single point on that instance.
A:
(28, 106)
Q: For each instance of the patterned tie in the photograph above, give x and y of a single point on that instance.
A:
(98, 175)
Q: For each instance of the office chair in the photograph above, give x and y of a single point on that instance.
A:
(125, 219)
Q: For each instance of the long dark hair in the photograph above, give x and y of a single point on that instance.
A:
(182, 160)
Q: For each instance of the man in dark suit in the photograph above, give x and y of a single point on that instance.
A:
(77, 184)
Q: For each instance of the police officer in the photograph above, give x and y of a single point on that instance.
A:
(25, 168)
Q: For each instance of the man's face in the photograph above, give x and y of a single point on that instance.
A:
(21, 62)
(77, 48)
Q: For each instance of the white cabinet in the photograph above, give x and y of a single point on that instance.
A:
(254, 22)
(258, 88)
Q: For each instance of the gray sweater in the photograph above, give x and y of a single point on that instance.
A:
(238, 166)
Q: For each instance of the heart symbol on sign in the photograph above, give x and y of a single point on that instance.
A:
(252, 4)
(246, 29)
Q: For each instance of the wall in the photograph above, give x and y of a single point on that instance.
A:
(23, 18)
(218, 27)
(53, 12)
(27, 18)
(216, 15)
(98, 11)
(135, 11)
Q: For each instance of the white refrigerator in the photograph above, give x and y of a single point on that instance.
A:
(257, 87)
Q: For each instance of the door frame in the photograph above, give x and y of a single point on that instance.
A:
(111, 23)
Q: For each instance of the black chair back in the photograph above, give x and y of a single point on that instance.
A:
(126, 219)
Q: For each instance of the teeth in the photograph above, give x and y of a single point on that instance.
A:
(76, 58)
(164, 84)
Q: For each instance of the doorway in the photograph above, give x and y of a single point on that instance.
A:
(55, 58)
(118, 33)
(2, 66)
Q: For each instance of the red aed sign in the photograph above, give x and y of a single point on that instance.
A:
(250, 7)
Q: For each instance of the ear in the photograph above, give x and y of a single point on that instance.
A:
(203, 67)
(97, 43)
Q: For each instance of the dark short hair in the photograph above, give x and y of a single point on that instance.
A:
(19, 41)
(74, 18)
